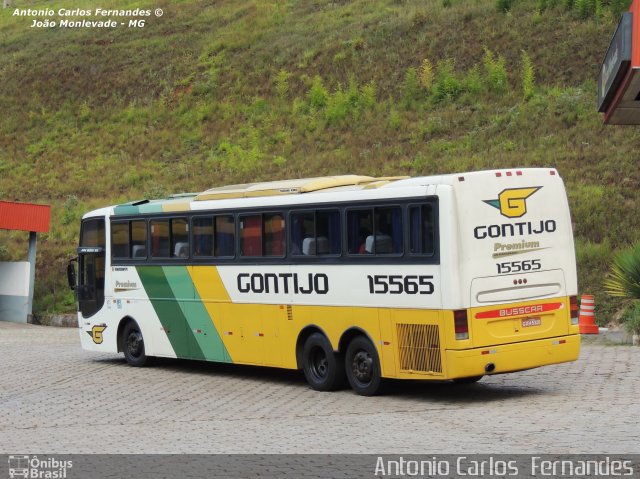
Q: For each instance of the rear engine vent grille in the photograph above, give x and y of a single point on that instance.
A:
(419, 348)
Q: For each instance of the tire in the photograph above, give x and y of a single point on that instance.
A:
(469, 380)
(363, 367)
(323, 369)
(133, 345)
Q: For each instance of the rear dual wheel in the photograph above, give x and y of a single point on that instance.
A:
(323, 369)
(326, 370)
(363, 367)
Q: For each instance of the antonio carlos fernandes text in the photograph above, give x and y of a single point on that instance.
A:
(78, 12)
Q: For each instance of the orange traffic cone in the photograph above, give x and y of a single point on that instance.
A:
(587, 320)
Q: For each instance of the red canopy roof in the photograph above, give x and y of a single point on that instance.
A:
(24, 216)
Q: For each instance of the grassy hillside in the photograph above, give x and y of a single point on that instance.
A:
(215, 92)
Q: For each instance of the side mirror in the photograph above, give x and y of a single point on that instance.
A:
(71, 274)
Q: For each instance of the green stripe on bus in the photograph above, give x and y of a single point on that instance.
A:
(169, 312)
(126, 210)
(198, 319)
(155, 207)
(151, 207)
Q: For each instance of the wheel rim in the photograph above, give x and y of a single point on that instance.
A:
(135, 345)
(362, 367)
(318, 363)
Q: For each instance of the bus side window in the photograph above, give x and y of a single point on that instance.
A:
(302, 234)
(421, 227)
(328, 233)
(359, 228)
(225, 237)
(388, 231)
(120, 240)
(138, 239)
(251, 235)
(274, 235)
(159, 238)
(203, 237)
(180, 237)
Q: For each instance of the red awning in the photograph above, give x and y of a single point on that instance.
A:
(24, 217)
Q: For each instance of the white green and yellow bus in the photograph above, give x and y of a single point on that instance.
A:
(349, 278)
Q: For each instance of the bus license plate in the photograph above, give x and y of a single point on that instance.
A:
(528, 322)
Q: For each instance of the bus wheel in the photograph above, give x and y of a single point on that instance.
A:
(322, 368)
(363, 367)
(133, 345)
(470, 380)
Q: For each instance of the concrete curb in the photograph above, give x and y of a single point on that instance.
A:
(608, 336)
(56, 320)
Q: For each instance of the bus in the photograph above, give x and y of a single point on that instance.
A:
(352, 279)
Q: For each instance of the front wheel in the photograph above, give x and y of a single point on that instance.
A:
(133, 345)
(322, 368)
(363, 367)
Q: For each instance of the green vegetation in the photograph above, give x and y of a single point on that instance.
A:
(624, 279)
(211, 94)
(631, 318)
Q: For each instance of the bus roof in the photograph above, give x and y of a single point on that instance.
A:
(328, 184)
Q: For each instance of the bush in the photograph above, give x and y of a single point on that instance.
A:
(410, 88)
(528, 76)
(473, 81)
(368, 95)
(318, 94)
(282, 83)
(631, 318)
(426, 74)
(447, 86)
(495, 72)
(70, 214)
(624, 279)
(504, 5)
(584, 8)
(618, 7)
(394, 120)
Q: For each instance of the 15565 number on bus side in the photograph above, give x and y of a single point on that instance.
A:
(399, 284)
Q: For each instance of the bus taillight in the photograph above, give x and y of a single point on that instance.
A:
(461, 325)
(573, 308)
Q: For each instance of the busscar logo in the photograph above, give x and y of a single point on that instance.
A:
(512, 202)
(96, 333)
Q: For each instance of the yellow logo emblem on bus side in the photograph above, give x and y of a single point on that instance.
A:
(96, 333)
(512, 201)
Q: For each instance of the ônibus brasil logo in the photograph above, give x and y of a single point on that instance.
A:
(512, 201)
(32, 467)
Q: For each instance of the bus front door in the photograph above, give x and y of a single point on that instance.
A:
(91, 264)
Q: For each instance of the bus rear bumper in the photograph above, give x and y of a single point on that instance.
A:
(511, 357)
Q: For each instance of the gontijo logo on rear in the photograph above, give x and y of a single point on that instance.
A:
(512, 202)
